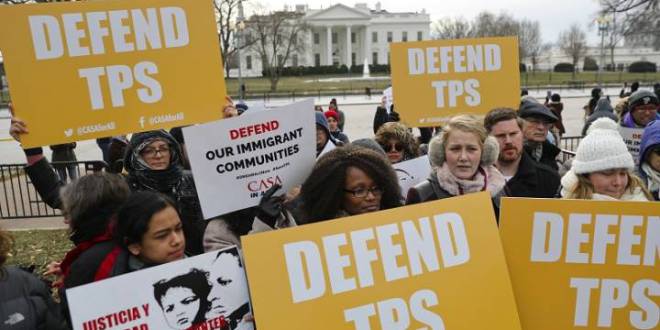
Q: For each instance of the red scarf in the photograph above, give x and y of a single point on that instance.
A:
(106, 265)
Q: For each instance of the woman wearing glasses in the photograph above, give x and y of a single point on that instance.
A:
(348, 181)
(462, 158)
(397, 141)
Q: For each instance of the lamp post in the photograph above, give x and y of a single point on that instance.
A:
(603, 25)
(240, 25)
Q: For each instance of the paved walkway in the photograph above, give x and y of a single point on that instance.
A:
(33, 223)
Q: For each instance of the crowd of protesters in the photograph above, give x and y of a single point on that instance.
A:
(148, 213)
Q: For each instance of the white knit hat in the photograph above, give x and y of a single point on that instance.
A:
(602, 149)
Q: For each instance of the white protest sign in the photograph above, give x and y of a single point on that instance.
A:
(632, 137)
(208, 291)
(412, 172)
(234, 161)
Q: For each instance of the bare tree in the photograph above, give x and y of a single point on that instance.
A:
(448, 28)
(229, 22)
(634, 17)
(529, 41)
(487, 24)
(573, 42)
(278, 35)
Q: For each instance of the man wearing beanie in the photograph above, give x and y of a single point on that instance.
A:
(537, 120)
(603, 109)
(333, 125)
(642, 109)
(602, 167)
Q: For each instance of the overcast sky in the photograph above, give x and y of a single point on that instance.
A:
(553, 15)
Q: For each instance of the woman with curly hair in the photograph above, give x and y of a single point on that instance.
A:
(397, 141)
(349, 181)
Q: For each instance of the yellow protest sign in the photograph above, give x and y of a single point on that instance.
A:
(435, 80)
(436, 265)
(81, 70)
(583, 264)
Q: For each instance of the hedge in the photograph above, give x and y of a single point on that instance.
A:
(564, 67)
(642, 66)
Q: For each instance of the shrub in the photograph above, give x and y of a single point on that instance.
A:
(642, 66)
(590, 64)
(564, 67)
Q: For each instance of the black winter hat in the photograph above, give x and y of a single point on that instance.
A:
(532, 109)
(641, 98)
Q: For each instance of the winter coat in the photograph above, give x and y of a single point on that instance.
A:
(338, 135)
(219, 234)
(650, 139)
(382, 116)
(557, 108)
(26, 303)
(63, 152)
(603, 109)
(548, 156)
(447, 185)
(532, 180)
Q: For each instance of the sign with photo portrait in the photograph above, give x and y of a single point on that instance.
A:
(208, 291)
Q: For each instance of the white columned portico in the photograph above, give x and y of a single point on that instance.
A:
(328, 43)
(310, 54)
(367, 44)
(348, 47)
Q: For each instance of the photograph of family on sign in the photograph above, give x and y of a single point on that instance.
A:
(208, 292)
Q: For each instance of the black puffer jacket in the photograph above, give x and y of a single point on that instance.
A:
(25, 302)
(175, 182)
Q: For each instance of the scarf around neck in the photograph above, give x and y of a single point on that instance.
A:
(486, 178)
(652, 177)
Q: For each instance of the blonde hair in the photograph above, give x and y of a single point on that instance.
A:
(468, 124)
(585, 190)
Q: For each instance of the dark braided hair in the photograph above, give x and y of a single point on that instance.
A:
(323, 191)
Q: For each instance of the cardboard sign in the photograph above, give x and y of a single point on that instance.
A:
(583, 264)
(203, 292)
(412, 172)
(633, 138)
(427, 266)
(435, 80)
(82, 70)
(234, 161)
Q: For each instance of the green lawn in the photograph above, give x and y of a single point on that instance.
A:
(39, 247)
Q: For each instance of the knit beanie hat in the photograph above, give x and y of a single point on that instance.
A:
(602, 149)
(333, 114)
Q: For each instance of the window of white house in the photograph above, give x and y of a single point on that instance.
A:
(374, 58)
(419, 35)
(404, 36)
(374, 37)
(389, 36)
(317, 39)
(248, 62)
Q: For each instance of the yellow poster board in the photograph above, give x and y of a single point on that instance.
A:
(435, 80)
(82, 70)
(436, 265)
(583, 264)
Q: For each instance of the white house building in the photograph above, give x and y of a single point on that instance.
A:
(342, 35)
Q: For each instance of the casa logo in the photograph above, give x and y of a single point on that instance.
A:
(263, 184)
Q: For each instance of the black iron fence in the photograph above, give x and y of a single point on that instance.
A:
(568, 146)
(19, 199)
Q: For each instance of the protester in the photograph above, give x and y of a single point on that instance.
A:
(603, 109)
(524, 177)
(633, 88)
(318, 108)
(603, 168)
(333, 125)
(64, 158)
(642, 109)
(649, 158)
(153, 163)
(323, 135)
(116, 151)
(342, 118)
(347, 181)
(462, 158)
(397, 141)
(26, 300)
(104, 144)
(556, 106)
(596, 94)
(537, 120)
(656, 90)
(370, 144)
(382, 114)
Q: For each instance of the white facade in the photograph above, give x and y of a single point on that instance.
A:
(623, 56)
(342, 35)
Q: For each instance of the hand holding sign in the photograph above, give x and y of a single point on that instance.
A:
(270, 206)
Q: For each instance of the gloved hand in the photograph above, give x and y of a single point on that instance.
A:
(270, 206)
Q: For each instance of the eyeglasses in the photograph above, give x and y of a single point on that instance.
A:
(151, 152)
(363, 192)
(396, 146)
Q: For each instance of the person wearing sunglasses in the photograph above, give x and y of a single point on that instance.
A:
(348, 181)
(397, 141)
